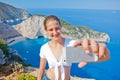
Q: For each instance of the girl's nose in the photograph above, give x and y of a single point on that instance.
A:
(55, 31)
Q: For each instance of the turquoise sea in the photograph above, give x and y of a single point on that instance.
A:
(101, 20)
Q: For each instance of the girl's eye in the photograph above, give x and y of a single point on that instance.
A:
(57, 28)
(50, 30)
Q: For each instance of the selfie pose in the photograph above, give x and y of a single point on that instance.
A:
(51, 52)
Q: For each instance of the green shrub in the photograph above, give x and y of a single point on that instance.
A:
(2, 41)
(4, 47)
(26, 76)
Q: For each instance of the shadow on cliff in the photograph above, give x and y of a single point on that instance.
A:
(8, 32)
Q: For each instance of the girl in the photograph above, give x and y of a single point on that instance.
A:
(51, 52)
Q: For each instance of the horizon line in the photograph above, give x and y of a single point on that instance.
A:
(71, 8)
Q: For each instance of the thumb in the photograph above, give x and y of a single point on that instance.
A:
(82, 64)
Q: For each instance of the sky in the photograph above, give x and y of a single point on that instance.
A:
(74, 4)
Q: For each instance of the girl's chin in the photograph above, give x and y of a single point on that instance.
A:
(56, 38)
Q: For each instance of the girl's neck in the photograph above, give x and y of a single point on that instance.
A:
(56, 42)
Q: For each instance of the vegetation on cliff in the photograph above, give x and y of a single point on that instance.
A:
(78, 32)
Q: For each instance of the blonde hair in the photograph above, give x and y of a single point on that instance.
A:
(49, 18)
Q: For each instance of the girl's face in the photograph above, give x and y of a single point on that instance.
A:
(53, 29)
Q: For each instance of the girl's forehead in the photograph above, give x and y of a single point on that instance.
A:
(52, 22)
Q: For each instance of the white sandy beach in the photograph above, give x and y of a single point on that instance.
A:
(14, 40)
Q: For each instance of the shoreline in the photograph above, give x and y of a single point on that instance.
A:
(14, 40)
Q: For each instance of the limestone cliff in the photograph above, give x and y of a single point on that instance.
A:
(33, 27)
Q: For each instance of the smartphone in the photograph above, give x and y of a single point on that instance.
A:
(77, 54)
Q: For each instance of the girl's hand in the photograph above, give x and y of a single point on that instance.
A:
(95, 47)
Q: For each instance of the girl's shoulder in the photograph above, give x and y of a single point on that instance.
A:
(44, 45)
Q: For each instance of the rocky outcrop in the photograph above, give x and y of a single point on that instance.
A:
(33, 27)
(9, 13)
(8, 32)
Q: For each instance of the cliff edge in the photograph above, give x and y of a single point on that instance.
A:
(33, 28)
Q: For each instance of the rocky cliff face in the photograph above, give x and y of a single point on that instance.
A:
(9, 13)
(7, 32)
(33, 27)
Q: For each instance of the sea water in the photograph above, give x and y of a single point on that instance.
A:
(99, 20)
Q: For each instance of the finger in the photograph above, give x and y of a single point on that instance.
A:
(106, 54)
(77, 43)
(85, 44)
(82, 64)
(94, 46)
(101, 50)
